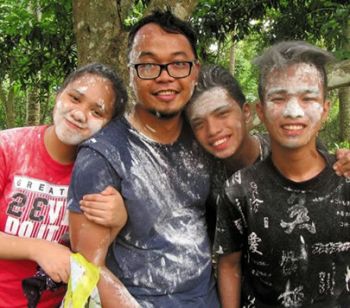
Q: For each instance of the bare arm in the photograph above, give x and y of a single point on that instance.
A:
(229, 280)
(53, 258)
(92, 241)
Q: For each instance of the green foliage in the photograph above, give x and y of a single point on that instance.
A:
(37, 47)
(329, 134)
(136, 13)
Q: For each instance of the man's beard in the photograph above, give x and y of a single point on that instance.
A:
(163, 115)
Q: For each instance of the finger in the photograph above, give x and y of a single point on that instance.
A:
(96, 213)
(338, 169)
(342, 169)
(95, 204)
(340, 153)
(65, 276)
(93, 197)
(56, 277)
(97, 220)
(110, 190)
(345, 169)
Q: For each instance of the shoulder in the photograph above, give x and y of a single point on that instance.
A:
(240, 182)
(117, 129)
(265, 145)
(18, 132)
(112, 138)
(21, 136)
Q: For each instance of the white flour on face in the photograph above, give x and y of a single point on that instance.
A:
(207, 102)
(293, 109)
(295, 96)
(65, 133)
(82, 89)
(67, 112)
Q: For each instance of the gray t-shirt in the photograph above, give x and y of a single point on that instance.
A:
(162, 254)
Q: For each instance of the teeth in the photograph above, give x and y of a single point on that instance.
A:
(220, 141)
(166, 92)
(293, 127)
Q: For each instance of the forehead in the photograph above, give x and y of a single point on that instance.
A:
(294, 78)
(152, 40)
(209, 102)
(90, 80)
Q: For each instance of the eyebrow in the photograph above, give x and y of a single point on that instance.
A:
(96, 103)
(216, 110)
(151, 54)
(77, 91)
(283, 91)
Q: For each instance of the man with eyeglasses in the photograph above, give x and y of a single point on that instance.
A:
(150, 156)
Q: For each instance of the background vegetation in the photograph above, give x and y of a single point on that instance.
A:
(41, 41)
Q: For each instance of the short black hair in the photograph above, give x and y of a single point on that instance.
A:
(169, 23)
(286, 53)
(121, 96)
(212, 76)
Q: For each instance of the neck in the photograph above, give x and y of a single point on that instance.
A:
(246, 155)
(59, 151)
(160, 129)
(298, 165)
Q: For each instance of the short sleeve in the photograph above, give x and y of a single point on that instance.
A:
(230, 224)
(92, 173)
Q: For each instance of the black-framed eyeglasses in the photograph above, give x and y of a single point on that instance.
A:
(178, 69)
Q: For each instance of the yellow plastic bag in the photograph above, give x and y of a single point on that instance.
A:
(82, 285)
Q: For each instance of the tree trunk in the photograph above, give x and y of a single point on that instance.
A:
(344, 113)
(33, 107)
(181, 8)
(232, 65)
(100, 36)
(8, 102)
(344, 96)
(339, 75)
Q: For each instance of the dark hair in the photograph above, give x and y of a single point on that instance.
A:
(212, 76)
(121, 96)
(169, 23)
(286, 53)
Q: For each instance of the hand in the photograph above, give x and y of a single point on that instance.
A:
(106, 209)
(342, 165)
(54, 259)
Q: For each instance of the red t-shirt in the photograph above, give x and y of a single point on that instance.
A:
(33, 192)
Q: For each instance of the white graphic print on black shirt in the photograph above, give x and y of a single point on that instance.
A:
(295, 236)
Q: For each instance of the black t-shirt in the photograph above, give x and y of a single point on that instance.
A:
(220, 175)
(294, 237)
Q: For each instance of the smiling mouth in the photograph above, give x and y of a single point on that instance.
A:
(219, 142)
(166, 92)
(294, 127)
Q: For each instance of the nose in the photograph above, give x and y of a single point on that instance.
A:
(213, 126)
(293, 109)
(164, 75)
(79, 114)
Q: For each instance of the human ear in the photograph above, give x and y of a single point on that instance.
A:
(260, 111)
(247, 112)
(247, 115)
(326, 106)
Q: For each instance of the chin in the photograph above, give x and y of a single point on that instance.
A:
(73, 140)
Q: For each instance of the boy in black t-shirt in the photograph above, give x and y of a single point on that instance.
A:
(283, 224)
